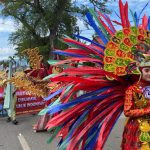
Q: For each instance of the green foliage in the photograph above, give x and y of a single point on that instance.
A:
(100, 5)
(42, 22)
(4, 63)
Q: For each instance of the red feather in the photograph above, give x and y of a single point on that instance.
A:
(107, 20)
(126, 15)
(145, 22)
(116, 22)
(106, 27)
(80, 44)
(101, 136)
(122, 15)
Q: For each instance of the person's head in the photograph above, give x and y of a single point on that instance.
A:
(57, 69)
(140, 50)
(145, 71)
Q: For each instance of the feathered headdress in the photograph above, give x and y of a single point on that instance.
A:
(85, 120)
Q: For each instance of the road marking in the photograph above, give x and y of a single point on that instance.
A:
(23, 142)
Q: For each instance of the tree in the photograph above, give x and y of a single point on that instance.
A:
(43, 22)
(5, 64)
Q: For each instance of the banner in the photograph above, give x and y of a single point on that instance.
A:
(26, 103)
(1, 95)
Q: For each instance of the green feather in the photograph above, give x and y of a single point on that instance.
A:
(54, 134)
(133, 17)
(49, 76)
(52, 62)
(100, 25)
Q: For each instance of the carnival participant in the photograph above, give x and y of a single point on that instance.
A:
(42, 121)
(137, 108)
(10, 99)
(12, 111)
(85, 121)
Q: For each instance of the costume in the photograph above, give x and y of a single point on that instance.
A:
(10, 98)
(85, 121)
(137, 107)
(29, 80)
(12, 110)
(43, 119)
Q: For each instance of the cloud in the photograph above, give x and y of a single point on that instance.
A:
(83, 2)
(6, 52)
(83, 30)
(80, 24)
(7, 25)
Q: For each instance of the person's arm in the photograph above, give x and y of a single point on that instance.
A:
(129, 109)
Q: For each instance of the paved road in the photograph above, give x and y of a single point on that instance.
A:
(37, 141)
(9, 133)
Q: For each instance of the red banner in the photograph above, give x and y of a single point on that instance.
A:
(26, 103)
(1, 95)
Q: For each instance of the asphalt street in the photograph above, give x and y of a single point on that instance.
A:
(37, 141)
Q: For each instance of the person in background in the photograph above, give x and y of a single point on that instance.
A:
(12, 111)
(10, 100)
(42, 121)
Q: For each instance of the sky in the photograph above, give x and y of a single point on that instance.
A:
(7, 25)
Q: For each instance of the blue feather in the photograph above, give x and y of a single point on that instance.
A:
(136, 19)
(67, 54)
(60, 142)
(101, 53)
(53, 95)
(91, 144)
(60, 107)
(78, 100)
(86, 39)
(97, 30)
(94, 128)
(74, 126)
(119, 111)
(149, 23)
